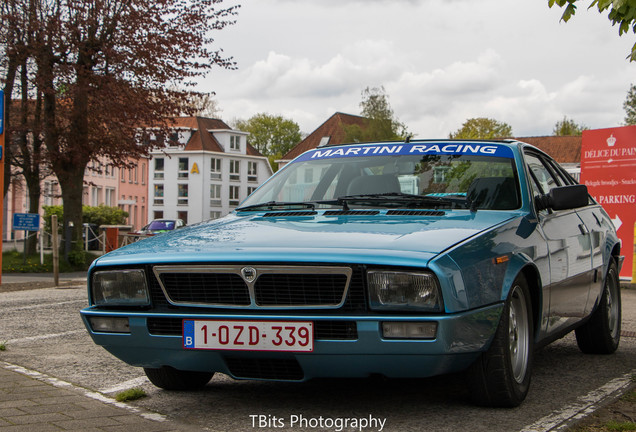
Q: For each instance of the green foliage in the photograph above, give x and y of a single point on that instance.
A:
(3, 346)
(482, 128)
(50, 211)
(381, 124)
(613, 425)
(621, 12)
(100, 215)
(13, 262)
(568, 127)
(130, 395)
(629, 397)
(271, 135)
(104, 215)
(630, 106)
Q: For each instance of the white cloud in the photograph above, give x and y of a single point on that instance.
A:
(441, 62)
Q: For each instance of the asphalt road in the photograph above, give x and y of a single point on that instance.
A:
(42, 331)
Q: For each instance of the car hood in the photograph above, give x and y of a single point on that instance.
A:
(377, 239)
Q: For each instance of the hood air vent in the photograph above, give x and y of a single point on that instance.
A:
(291, 213)
(352, 213)
(415, 213)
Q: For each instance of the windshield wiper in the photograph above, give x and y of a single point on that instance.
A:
(400, 199)
(275, 205)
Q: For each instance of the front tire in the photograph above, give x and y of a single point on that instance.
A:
(601, 334)
(501, 375)
(169, 378)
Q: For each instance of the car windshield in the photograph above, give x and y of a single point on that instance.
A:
(160, 225)
(393, 180)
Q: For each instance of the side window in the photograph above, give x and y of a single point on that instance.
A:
(564, 177)
(541, 173)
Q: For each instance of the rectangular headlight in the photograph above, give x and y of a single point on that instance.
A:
(395, 290)
(119, 288)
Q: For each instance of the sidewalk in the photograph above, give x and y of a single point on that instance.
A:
(36, 402)
(32, 401)
(26, 281)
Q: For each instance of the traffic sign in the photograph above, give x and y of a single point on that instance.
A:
(26, 221)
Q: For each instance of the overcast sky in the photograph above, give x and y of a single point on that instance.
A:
(440, 62)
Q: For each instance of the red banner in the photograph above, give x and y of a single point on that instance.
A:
(608, 169)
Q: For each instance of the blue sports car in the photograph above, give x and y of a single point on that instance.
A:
(404, 259)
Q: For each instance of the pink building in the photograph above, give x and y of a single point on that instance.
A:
(132, 194)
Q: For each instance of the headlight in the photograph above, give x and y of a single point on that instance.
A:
(120, 288)
(404, 291)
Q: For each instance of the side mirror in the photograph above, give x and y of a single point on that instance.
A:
(564, 198)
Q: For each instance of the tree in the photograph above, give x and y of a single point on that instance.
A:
(567, 127)
(104, 69)
(622, 13)
(205, 105)
(482, 128)
(272, 135)
(630, 106)
(380, 122)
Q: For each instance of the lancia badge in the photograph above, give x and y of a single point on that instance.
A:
(249, 274)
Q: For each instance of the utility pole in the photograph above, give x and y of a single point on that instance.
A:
(1, 176)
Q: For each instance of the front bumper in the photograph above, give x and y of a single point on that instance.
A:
(459, 341)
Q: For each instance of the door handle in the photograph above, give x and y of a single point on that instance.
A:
(583, 229)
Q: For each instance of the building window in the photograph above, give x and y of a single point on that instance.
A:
(250, 189)
(215, 214)
(234, 195)
(159, 164)
(123, 174)
(158, 214)
(183, 215)
(215, 195)
(96, 192)
(109, 197)
(235, 142)
(158, 194)
(182, 194)
(183, 168)
(215, 169)
(143, 173)
(252, 175)
(235, 170)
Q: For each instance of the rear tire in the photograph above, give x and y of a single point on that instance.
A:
(501, 375)
(169, 378)
(601, 334)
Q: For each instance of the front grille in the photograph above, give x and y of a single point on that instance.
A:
(300, 289)
(209, 288)
(258, 286)
(335, 330)
(323, 329)
(355, 301)
(277, 369)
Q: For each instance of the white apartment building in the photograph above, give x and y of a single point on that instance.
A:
(203, 172)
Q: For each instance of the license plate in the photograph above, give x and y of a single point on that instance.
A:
(248, 335)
